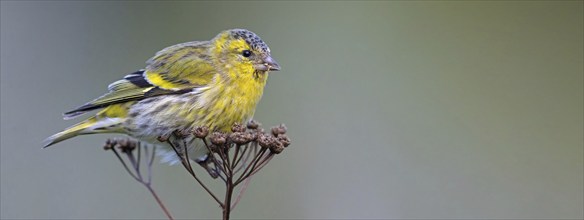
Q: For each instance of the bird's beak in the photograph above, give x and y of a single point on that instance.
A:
(268, 64)
(272, 64)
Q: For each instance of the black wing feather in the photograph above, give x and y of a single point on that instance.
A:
(142, 89)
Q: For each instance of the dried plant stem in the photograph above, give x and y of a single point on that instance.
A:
(216, 163)
(250, 167)
(137, 174)
(190, 170)
(160, 203)
(262, 164)
(252, 151)
(241, 192)
(228, 194)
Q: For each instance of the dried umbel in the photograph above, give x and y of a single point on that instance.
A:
(240, 138)
(237, 128)
(253, 124)
(276, 147)
(201, 132)
(124, 145)
(182, 133)
(134, 152)
(278, 130)
(163, 138)
(265, 140)
(233, 157)
(283, 138)
(218, 138)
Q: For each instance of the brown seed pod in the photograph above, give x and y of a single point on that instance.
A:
(201, 132)
(253, 124)
(237, 128)
(239, 138)
(283, 138)
(252, 136)
(163, 138)
(281, 129)
(265, 140)
(108, 144)
(218, 138)
(182, 133)
(127, 145)
(276, 147)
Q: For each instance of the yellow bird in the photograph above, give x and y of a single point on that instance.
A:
(212, 83)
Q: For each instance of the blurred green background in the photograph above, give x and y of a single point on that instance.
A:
(426, 109)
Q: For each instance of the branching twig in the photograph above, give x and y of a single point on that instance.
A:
(253, 149)
(241, 192)
(190, 170)
(127, 147)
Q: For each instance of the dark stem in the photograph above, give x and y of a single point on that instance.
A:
(241, 192)
(234, 157)
(225, 158)
(160, 203)
(213, 159)
(139, 155)
(228, 195)
(186, 152)
(138, 176)
(252, 164)
(136, 166)
(124, 164)
(150, 163)
(240, 156)
(190, 170)
(262, 164)
(243, 159)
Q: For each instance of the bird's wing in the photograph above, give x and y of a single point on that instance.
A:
(174, 70)
(182, 66)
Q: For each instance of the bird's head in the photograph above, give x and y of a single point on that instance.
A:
(244, 51)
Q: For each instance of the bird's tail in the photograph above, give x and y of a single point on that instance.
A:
(92, 125)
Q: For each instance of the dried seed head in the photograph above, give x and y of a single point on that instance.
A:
(253, 124)
(108, 144)
(283, 138)
(237, 128)
(279, 130)
(252, 136)
(276, 147)
(163, 138)
(265, 140)
(182, 133)
(239, 138)
(127, 145)
(201, 132)
(218, 138)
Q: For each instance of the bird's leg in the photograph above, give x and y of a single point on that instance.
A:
(213, 171)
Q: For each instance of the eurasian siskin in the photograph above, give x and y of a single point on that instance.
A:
(212, 83)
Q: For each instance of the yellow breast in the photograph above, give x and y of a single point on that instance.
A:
(228, 101)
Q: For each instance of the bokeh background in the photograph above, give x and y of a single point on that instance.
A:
(425, 109)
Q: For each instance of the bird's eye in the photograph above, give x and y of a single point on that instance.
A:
(246, 53)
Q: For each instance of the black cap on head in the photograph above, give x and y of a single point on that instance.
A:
(252, 39)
